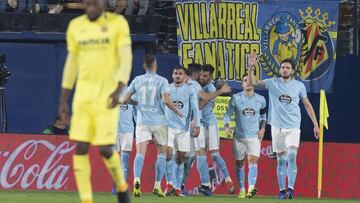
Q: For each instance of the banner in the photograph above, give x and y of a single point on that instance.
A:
(224, 34)
(40, 162)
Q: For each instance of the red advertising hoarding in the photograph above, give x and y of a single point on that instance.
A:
(39, 162)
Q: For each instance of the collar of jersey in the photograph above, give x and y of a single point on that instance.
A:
(150, 73)
(245, 95)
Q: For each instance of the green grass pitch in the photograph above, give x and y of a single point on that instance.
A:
(70, 197)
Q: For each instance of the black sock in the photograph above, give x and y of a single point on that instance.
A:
(123, 197)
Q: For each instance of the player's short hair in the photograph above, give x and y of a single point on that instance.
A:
(194, 68)
(207, 68)
(244, 75)
(149, 59)
(288, 61)
(179, 67)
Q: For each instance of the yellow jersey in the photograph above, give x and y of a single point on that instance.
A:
(96, 47)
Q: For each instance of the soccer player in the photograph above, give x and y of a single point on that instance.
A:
(126, 134)
(99, 59)
(186, 101)
(209, 137)
(203, 169)
(152, 93)
(250, 118)
(284, 117)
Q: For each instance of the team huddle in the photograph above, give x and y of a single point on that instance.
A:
(180, 119)
(179, 116)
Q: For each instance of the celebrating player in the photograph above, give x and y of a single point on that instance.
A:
(209, 136)
(250, 113)
(203, 169)
(285, 94)
(152, 92)
(186, 101)
(99, 59)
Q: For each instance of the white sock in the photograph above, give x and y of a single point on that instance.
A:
(228, 179)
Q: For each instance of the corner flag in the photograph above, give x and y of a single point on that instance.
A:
(324, 115)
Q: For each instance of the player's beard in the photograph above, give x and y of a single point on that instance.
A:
(286, 77)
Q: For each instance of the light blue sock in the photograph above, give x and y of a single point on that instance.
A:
(220, 162)
(281, 171)
(179, 173)
(253, 170)
(170, 167)
(240, 174)
(125, 164)
(160, 167)
(203, 169)
(138, 165)
(292, 167)
(187, 167)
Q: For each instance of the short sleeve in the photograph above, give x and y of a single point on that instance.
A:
(72, 45)
(263, 103)
(268, 82)
(212, 88)
(303, 93)
(131, 87)
(124, 38)
(164, 88)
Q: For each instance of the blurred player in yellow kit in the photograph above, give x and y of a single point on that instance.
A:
(99, 60)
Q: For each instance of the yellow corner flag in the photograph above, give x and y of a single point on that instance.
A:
(324, 115)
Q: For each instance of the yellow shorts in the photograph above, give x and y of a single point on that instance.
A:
(94, 123)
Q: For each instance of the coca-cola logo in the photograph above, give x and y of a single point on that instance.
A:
(22, 167)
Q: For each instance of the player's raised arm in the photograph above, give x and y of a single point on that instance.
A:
(227, 116)
(251, 69)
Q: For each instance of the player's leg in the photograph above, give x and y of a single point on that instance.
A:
(126, 148)
(106, 125)
(201, 162)
(239, 152)
(279, 147)
(143, 135)
(112, 163)
(253, 147)
(189, 160)
(82, 131)
(82, 170)
(160, 135)
(292, 142)
(170, 162)
(182, 146)
(214, 144)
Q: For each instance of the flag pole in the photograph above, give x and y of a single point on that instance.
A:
(320, 160)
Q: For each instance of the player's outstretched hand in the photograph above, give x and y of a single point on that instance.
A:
(113, 99)
(252, 60)
(261, 134)
(196, 131)
(316, 132)
(64, 112)
(228, 132)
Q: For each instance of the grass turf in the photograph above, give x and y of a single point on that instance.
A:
(70, 197)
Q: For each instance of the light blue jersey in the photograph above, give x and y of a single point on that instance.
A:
(149, 89)
(208, 116)
(249, 111)
(194, 85)
(284, 98)
(186, 101)
(126, 124)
